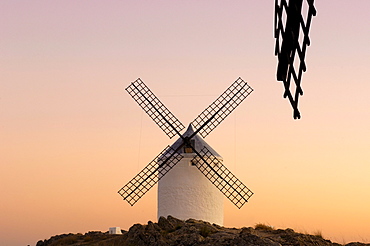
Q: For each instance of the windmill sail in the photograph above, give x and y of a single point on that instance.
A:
(222, 178)
(150, 175)
(154, 108)
(292, 38)
(215, 113)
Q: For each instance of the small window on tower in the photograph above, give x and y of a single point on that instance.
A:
(189, 147)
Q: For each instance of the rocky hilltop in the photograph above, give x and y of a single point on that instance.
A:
(172, 231)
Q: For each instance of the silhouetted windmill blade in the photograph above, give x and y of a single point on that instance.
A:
(292, 39)
(154, 108)
(150, 175)
(215, 113)
(222, 178)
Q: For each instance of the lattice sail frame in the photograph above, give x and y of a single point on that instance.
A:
(292, 39)
(211, 167)
(150, 175)
(154, 108)
(215, 113)
(169, 157)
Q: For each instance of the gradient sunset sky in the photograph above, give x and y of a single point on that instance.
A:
(71, 136)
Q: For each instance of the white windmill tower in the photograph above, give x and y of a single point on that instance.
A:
(185, 192)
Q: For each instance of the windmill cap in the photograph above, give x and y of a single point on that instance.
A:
(197, 141)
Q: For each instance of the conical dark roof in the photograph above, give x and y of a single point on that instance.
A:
(199, 142)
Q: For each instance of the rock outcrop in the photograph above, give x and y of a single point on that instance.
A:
(171, 231)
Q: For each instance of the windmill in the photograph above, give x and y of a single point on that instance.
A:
(189, 190)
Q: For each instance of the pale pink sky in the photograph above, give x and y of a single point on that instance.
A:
(71, 136)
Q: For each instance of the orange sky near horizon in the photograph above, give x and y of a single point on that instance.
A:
(71, 136)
